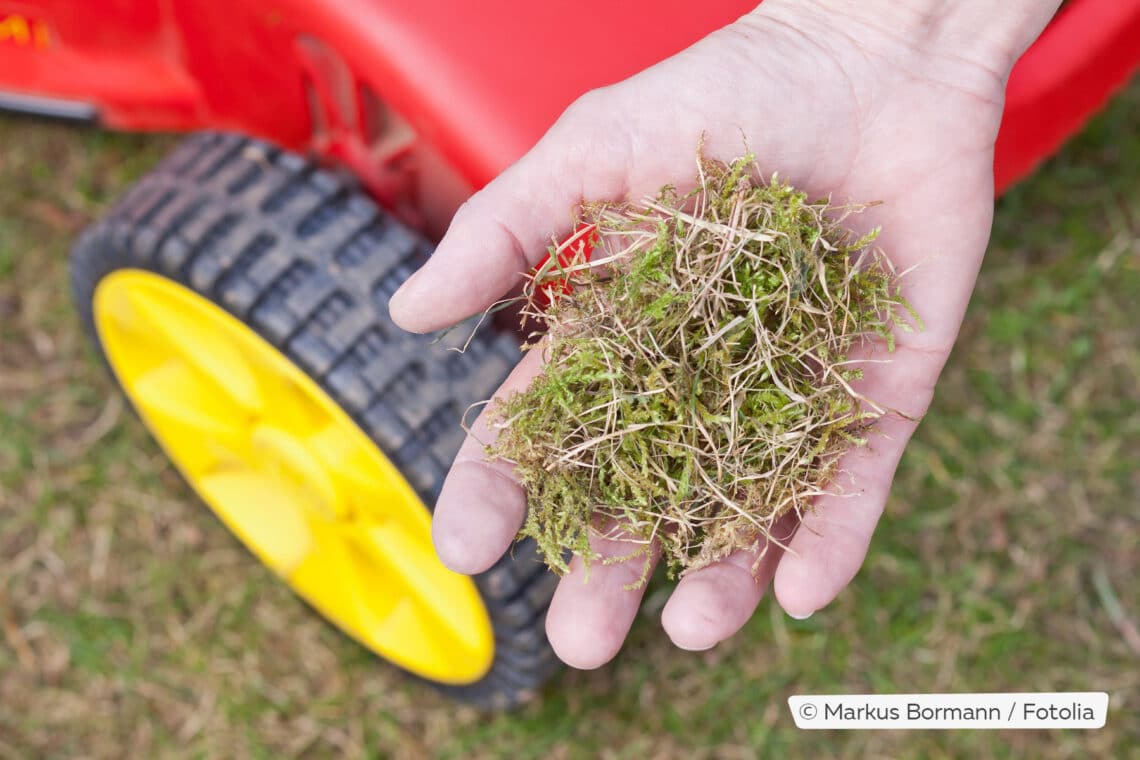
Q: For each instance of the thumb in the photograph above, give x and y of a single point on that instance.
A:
(503, 230)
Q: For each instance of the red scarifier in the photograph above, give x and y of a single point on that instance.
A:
(426, 100)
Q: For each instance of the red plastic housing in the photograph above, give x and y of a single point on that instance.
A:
(426, 100)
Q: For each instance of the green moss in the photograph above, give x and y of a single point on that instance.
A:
(694, 389)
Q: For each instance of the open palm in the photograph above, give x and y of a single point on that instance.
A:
(845, 108)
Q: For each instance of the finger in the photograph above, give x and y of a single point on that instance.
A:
(481, 506)
(832, 540)
(505, 228)
(590, 616)
(711, 604)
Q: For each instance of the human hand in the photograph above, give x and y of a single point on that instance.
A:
(862, 101)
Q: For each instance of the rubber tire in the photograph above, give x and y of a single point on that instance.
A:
(306, 260)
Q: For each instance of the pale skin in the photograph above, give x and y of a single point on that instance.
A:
(863, 100)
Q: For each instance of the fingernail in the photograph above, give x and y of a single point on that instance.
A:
(794, 616)
(402, 302)
(695, 649)
(402, 291)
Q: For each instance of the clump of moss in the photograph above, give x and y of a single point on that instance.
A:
(697, 384)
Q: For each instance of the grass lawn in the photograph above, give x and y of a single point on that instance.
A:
(132, 625)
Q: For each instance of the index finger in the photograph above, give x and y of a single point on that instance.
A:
(481, 506)
(494, 239)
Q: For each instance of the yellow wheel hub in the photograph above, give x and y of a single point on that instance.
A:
(290, 473)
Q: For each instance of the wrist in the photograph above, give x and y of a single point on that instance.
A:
(989, 34)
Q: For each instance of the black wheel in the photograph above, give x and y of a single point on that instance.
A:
(239, 295)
